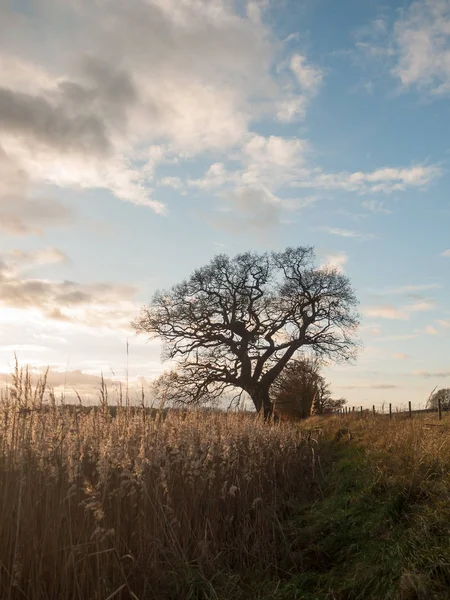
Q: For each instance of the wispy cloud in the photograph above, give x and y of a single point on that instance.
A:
(432, 374)
(414, 50)
(446, 253)
(385, 180)
(46, 256)
(397, 338)
(403, 313)
(411, 289)
(172, 182)
(369, 386)
(421, 37)
(308, 79)
(347, 233)
(272, 161)
(376, 207)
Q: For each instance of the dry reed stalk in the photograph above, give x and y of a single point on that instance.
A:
(95, 506)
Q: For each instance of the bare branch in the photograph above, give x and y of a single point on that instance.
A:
(237, 322)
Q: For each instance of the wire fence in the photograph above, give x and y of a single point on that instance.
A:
(405, 410)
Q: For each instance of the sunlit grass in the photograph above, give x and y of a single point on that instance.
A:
(133, 503)
(143, 504)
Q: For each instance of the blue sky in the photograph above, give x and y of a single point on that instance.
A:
(139, 139)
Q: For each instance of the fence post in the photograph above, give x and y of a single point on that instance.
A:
(409, 409)
(361, 411)
(353, 409)
(390, 410)
(439, 409)
(373, 408)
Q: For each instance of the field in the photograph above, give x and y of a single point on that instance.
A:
(205, 505)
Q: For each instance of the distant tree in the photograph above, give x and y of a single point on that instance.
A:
(301, 390)
(328, 405)
(237, 322)
(294, 391)
(322, 397)
(442, 394)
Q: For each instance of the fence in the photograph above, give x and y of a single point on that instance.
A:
(408, 412)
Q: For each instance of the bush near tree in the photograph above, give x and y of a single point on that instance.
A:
(301, 390)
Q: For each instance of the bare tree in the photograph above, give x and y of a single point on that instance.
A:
(443, 395)
(237, 322)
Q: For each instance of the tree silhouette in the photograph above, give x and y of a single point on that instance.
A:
(237, 322)
(443, 395)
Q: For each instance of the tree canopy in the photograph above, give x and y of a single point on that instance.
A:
(443, 395)
(296, 388)
(301, 390)
(237, 322)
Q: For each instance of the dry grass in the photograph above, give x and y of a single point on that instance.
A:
(382, 530)
(218, 506)
(132, 506)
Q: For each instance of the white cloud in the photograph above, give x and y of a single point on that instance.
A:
(291, 108)
(308, 79)
(269, 161)
(422, 39)
(20, 211)
(215, 177)
(368, 386)
(384, 180)
(347, 233)
(388, 311)
(416, 50)
(421, 306)
(410, 289)
(375, 206)
(430, 330)
(273, 160)
(103, 305)
(47, 165)
(25, 75)
(143, 73)
(446, 253)
(47, 256)
(267, 152)
(398, 338)
(171, 182)
(336, 261)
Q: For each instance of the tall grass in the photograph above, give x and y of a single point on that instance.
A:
(382, 529)
(184, 505)
(98, 503)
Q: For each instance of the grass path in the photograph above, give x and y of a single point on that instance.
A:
(381, 528)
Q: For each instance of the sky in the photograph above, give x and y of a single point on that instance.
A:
(139, 139)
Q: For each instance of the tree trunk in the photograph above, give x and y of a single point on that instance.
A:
(262, 402)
